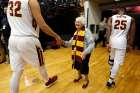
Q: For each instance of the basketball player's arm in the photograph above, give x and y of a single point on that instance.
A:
(109, 28)
(36, 12)
(131, 33)
(108, 33)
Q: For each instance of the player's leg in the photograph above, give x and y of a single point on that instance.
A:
(33, 55)
(119, 58)
(15, 79)
(41, 65)
(112, 55)
(111, 58)
(42, 69)
(16, 64)
(49, 80)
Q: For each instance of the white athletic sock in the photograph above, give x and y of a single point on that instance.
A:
(114, 70)
(27, 81)
(110, 80)
(14, 83)
(111, 63)
(43, 73)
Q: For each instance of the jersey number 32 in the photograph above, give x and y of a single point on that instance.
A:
(14, 8)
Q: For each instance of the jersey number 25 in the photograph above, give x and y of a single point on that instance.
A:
(14, 8)
(120, 24)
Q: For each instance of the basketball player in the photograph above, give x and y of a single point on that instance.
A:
(121, 29)
(24, 17)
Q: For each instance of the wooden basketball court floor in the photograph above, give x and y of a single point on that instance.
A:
(59, 62)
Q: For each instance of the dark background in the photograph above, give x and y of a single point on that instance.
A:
(60, 17)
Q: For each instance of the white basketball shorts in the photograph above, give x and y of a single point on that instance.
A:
(118, 55)
(24, 50)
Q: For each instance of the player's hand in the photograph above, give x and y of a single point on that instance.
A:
(59, 41)
(108, 47)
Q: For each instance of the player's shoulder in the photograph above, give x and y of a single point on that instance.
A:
(115, 15)
(128, 16)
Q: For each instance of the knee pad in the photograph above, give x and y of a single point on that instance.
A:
(110, 61)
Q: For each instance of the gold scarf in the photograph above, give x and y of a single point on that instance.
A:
(78, 45)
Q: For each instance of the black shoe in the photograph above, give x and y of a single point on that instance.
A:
(77, 80)
(110, 85)
(85, 85)
(51, 81)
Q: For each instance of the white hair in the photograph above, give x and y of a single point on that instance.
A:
(81, 19)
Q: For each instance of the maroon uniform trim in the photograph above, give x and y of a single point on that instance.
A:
(40, 56)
